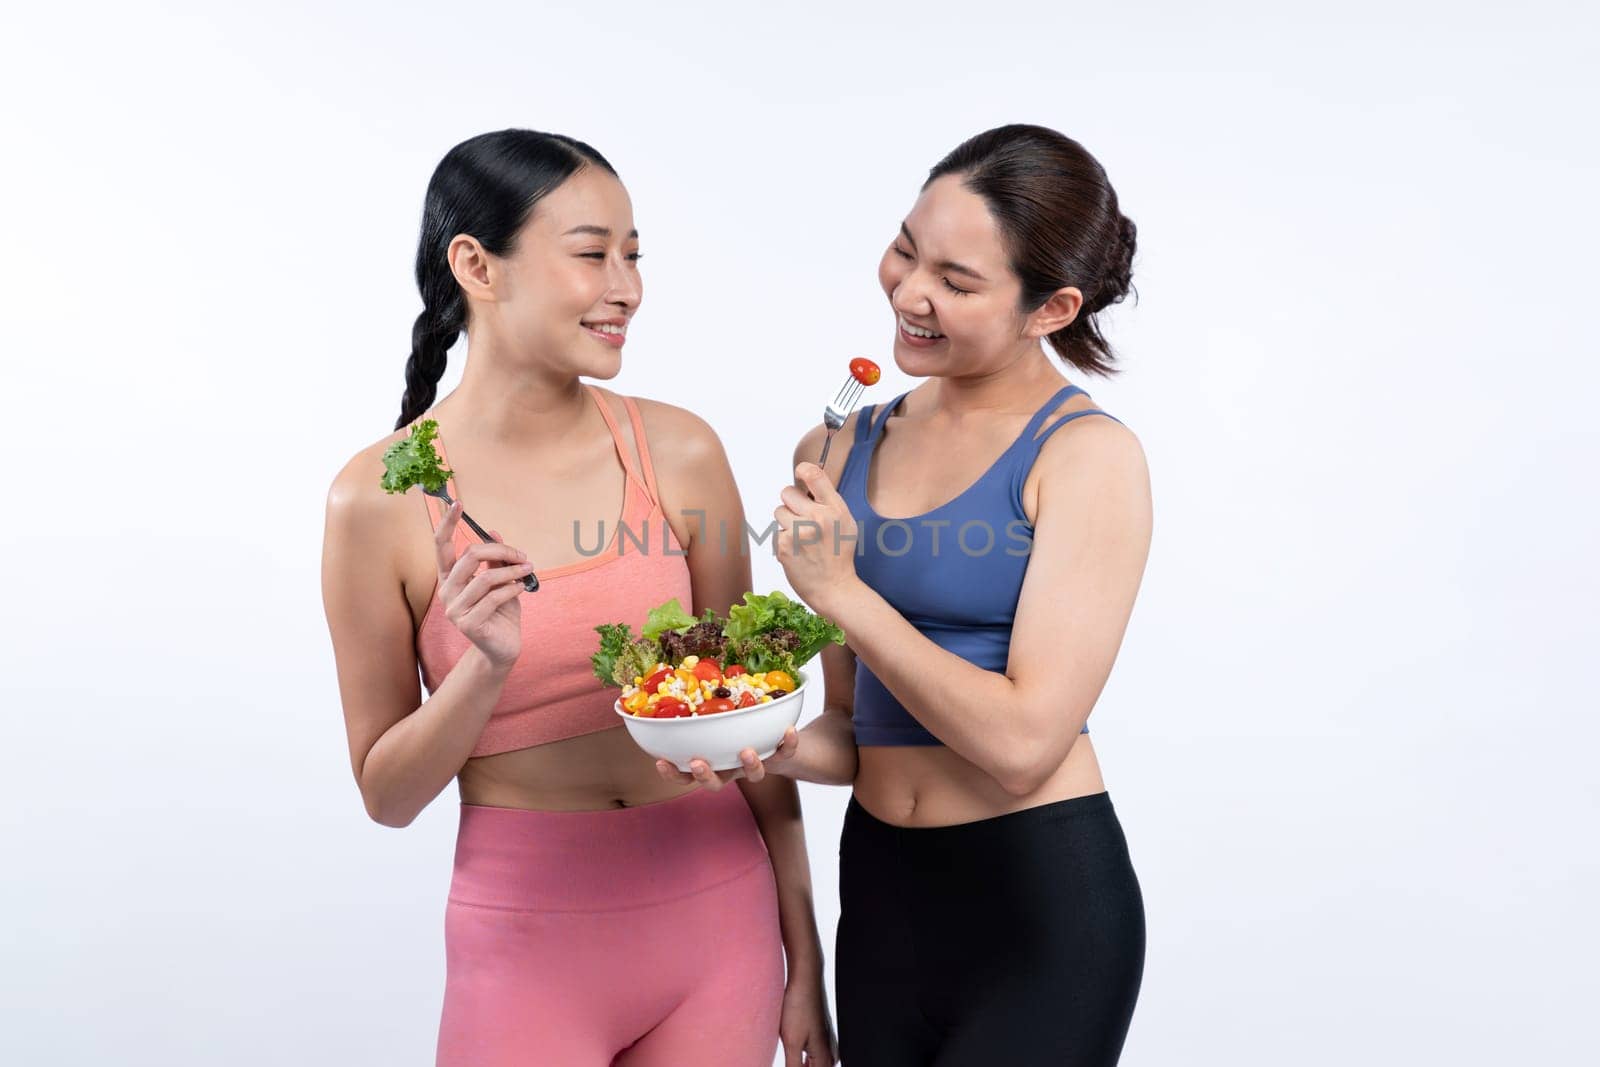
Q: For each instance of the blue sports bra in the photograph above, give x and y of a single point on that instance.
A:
(954, 572)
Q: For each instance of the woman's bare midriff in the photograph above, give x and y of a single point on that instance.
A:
(586, 773)
(929, 785)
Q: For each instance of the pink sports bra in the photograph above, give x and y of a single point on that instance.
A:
(551, 693)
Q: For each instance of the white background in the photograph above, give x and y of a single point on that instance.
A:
(1352, 734)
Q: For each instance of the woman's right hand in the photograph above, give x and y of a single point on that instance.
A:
(484, 606)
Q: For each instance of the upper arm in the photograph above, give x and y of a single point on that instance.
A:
(702, 501)
(1090, 541)
(369, 619)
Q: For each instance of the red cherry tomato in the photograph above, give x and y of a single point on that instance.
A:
(672, 709)
(716, 704)
(732, 669)
(708, 670)
(747, 700)
(865, 371)
(656, 679)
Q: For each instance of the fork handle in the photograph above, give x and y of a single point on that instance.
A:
(827, 443)
(530, 582)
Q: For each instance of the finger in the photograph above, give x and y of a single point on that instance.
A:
(704, 775)
(798, 502)
(444, 540)
(670, 772)
(817, 481)
(483, 609)
(488, 580)
(496, 535)
(478, 554)
(753, 768)
(786, 747)
(784, 517)
(792, 1051)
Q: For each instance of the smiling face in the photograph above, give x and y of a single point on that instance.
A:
(568, 290)
(949, 280)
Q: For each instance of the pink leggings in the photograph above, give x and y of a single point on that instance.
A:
(634, 937)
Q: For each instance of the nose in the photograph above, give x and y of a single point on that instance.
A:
(624, 289)
(910, 297)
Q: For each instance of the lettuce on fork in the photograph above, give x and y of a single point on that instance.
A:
(764, 633)
(413, 461)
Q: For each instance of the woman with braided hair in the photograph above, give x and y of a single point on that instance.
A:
(597, 915)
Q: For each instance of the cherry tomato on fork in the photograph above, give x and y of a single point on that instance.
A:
(865, 371)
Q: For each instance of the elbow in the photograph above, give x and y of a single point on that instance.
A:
(1025, 770)
(384, 812)
(1020, 782)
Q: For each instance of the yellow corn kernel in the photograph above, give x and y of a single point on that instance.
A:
(687, 678)
(690, 661)
(653, 699)
(638, 679)
(756, 679)
(765, 699)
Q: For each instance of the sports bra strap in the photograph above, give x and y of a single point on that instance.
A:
(1061, 396)
(888, 409)
(624, 453)
(644, 449)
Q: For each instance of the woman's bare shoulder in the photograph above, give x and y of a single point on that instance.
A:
(357, 501)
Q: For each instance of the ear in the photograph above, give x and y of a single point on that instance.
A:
(472, 267)
(1056, 313)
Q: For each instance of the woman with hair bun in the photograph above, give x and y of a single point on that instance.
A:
(981, 541)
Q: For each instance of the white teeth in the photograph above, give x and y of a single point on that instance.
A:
(917, 331)
(603, 327)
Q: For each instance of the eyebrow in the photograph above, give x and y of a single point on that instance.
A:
(598, 231)
(947, 265)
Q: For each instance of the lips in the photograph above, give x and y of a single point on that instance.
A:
(917, 336)
(608, 331)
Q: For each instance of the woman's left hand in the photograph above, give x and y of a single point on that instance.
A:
(816, 543)
(805, 1028)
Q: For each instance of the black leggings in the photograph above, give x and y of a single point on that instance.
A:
(1008, 942)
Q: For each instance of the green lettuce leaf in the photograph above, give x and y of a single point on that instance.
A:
(668, 616)
(413, 461)
(761, 615)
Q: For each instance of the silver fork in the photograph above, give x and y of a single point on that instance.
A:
(839, 409)
(530, 582)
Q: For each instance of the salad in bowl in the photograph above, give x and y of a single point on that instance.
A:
(711, 687)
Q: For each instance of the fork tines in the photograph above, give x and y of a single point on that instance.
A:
(849, 393)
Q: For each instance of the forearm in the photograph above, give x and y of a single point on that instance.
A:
(775, 803)
(827, 754)
(418, 756)
(978, 714)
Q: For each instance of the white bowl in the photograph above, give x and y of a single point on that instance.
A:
(720, 737)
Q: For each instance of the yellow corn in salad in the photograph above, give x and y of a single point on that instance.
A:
(698, 687)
